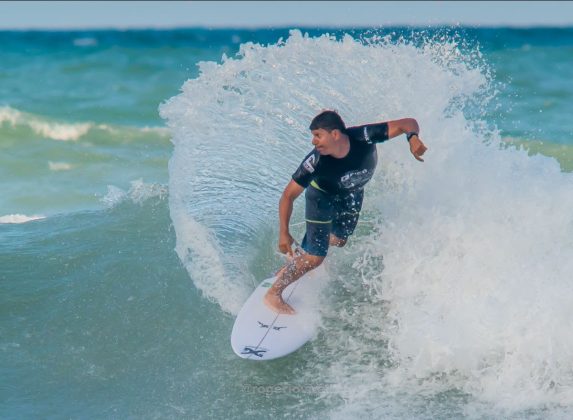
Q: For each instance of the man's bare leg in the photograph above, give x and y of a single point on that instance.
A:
(294, 270)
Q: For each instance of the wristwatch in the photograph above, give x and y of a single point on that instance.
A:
(410, 135)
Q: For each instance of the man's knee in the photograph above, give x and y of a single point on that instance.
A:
(313, 261)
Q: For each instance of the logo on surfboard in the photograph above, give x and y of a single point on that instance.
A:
(267, 326)
(254, 351)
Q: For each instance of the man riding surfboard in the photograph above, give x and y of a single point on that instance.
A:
(333, 174)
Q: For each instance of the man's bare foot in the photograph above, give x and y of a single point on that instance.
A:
(277, 304)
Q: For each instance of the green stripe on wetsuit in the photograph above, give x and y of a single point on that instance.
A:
(315, 185)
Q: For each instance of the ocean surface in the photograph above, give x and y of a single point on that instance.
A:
(140, 173)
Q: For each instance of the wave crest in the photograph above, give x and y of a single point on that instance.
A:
(469, 296)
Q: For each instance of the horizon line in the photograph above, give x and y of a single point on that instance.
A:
(286, 26)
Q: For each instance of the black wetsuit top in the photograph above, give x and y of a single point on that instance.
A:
(349, 173)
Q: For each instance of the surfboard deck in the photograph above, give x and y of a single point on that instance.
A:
(259, 333)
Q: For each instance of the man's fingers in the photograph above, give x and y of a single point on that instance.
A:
(420, 150)
(285, 249)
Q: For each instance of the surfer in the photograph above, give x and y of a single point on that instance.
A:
(333, 174)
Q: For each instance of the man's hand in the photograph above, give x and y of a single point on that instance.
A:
(417, 147)
(285, 243)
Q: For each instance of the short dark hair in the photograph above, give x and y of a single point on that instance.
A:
(328, 120)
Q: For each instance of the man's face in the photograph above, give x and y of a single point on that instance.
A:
(323, 141)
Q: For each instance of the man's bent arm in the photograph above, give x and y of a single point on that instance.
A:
(402, 126)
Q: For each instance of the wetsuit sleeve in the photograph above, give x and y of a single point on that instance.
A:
(369, 133)
(306, 171)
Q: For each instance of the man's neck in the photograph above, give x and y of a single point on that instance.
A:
(343, 148)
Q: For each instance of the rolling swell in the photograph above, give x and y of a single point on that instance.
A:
(44, 158)
(92, 304)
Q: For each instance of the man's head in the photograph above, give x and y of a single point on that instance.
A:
(328, 120)
(327, 129)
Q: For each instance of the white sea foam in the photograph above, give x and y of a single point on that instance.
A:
(138, 193)
(477, 255)
(59, 166)
(114, 196)
(19, 218)
(162, 131)
(62, 132)
(42, 127)
(85, 42)
(9, 115)
(463, 283)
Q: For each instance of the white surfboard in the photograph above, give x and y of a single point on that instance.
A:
(259, 333)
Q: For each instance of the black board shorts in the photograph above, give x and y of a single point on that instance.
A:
(328, 213)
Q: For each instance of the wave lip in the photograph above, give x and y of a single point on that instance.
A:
(51, 130)
(19, 218)
(61, 131)
(138, 193)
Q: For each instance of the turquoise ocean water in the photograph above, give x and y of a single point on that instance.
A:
(140, 176)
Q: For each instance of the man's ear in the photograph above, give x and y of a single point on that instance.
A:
(336, 134)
